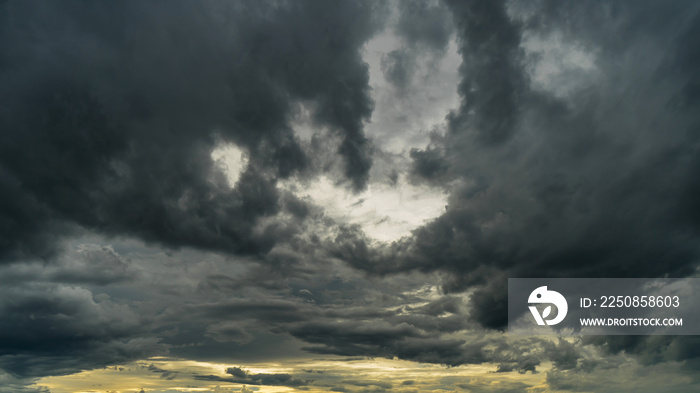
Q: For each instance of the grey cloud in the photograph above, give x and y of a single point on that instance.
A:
(353, 338)
(425, 29)
(429, 165)
(493, 80)
(650, 350)
(441, 306)
(564, 354)
(425, 23)
(55, 329)
(527, 363)
(484, 387)
(379, 384)
(88, 264)
(366, 325)
(410, 342)
(164, 374)
(398, 67)
(359, 319)
(224, 332)
(238, 375)
(12, 384)
(268, 310)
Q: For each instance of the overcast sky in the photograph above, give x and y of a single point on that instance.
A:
(281, 196)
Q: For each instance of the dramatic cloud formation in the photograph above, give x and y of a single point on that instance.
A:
(594, 182)
(110, 115)
(302, 195)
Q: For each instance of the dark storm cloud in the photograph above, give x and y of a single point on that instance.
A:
(651, 350)
(398, 68)
(503, 387)
(564, 354)
(425, 29)
(440, 316)
(379, 384)
(422, 343)
(493, 79)
(265, 310)
(429, 164)
(238, 375)
(348, 318)
(51, 329)
(164, 374)
(424, 23)
(89, 265)
(110, 112)
(350, 326)
(193, 321)
(598, 181)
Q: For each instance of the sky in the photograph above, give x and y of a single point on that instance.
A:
(284, 196)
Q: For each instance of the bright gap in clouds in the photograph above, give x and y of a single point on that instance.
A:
(404, 119)
(164, 375)
(401, 120)
(385, 212)
(230, 160)
(557, 65)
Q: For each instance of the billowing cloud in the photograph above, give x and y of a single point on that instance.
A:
(594, 180)
(238, 375)
(111, 114)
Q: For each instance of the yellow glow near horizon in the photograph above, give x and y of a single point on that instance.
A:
(326, 373)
